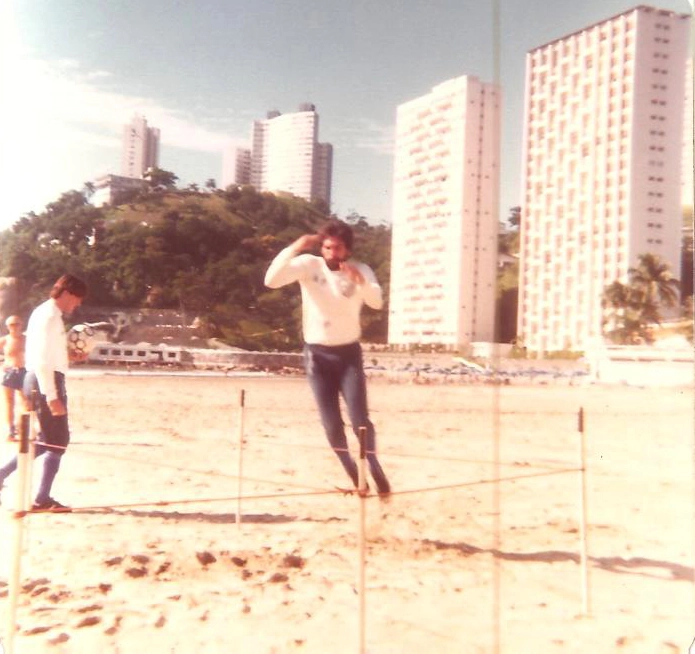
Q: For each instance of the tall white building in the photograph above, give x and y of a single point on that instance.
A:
(140, 148)
(236, 166)
(603, 131)
(286, 155)
(445, 215)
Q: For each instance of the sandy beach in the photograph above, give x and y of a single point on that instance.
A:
(153, 559)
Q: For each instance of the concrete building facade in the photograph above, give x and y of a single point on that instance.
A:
(445, 215)
(603, 131)
(108, 188)
(287, 157)
(140, 148)
(236, 166)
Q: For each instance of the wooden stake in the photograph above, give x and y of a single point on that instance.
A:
(241, 459)
(362, 494)
(583, 532)
(23, 463)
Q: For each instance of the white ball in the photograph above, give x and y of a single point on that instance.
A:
(82, 339)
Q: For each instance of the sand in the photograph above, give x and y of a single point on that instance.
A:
(153, 559)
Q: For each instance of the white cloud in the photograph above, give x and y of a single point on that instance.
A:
(60, 126)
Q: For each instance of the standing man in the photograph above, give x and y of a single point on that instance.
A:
(333, 289)
(47, 361)
(12, 346)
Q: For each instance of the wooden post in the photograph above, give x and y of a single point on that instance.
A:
(241, 458)
(32, 431)
(362, 494)
(23, 463)
(583, 532)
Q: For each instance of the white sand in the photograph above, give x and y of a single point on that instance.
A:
(140, 577)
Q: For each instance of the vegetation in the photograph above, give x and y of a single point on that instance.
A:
(631, 310)
(508, 277)
(204, 253)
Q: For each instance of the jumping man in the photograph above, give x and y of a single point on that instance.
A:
(334, 288)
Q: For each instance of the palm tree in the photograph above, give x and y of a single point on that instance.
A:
(622, 312)
(630, 309)
(655, 282)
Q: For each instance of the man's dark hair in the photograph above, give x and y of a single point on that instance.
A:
(335, 228)
(73, 285)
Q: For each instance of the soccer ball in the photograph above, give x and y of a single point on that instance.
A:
(82, 339)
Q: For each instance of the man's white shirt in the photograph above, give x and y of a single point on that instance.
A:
(331, 302)
(46, 346)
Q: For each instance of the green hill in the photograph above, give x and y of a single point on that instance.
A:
(198, 252)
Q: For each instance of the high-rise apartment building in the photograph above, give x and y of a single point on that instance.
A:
(323, 172)
(236, 166)
(603, 132)
(286, 155)
(140, 148)
(445, 215)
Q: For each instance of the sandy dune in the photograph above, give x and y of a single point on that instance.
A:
(152, 560)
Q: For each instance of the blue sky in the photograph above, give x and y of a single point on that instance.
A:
(72, 72)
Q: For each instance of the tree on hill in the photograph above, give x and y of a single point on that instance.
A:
(204, 254)
(160, 180)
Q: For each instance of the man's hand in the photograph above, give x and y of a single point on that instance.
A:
(352, 273)
(57, 407)
(306, 242)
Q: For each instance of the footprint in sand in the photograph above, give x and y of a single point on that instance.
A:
(38, 630)
(136, 572)
(205, 558)
(89, 621)
(114, 627)
(90, 608)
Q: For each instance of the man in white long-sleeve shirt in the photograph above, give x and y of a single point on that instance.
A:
(47, 361)
(334, 288)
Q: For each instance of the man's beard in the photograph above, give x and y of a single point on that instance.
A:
(333, 264)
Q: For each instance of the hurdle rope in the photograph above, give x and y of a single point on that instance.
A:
(362, 498)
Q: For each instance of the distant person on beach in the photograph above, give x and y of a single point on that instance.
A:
(47, 360)
(12, 347)
(334, 288)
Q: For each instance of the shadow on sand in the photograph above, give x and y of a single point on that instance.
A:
(212, 518)
(637, 565)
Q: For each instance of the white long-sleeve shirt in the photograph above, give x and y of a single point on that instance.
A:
(331, 302)
(47, 346)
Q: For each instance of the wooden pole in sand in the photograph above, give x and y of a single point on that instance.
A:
(241, 458)
(362, 493)
(496, 466)
(18, 517)
(33, 404)
(583, 532)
